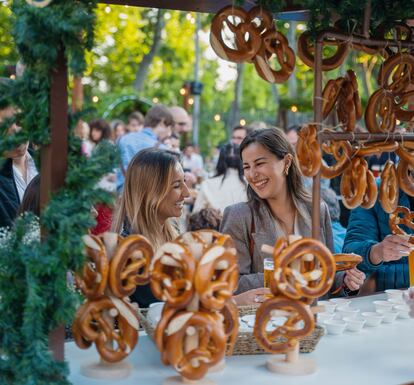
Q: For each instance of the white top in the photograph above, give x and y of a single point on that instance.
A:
(193, 163)
(217, 195)
(380, 355)
(20, 182)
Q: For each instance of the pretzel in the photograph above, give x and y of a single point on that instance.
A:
(347, 261)
(274, 44)
(400, 101)
(376, 148)
(380, 112)
(405, 179)
(247, 39)
(389, 188)
(230, 314)
(396, 72)
(404, 154)
(342, 152)
(194, 363)
(295, 282)
(130, 265)
(92, 281)
(306, 51)
(206, 237)
(399, 32)
(216, 277)
(299, 323)
(330, 95)
(354, 183)
(172, 271)
(308, 150)
(371, 191)
(261, 19)
(95, 323)
(407, 219)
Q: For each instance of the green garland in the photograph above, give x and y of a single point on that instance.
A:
(35, 297)
(351, 12)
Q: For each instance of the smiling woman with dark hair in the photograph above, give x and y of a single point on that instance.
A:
(278, 206)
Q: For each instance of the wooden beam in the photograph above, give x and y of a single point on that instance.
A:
(54, 163)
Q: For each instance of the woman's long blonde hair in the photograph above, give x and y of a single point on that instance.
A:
(148, 180)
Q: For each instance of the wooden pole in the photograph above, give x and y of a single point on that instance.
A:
(54, 163)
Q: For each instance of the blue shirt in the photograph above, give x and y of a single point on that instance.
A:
(129, 145)
(338, 232)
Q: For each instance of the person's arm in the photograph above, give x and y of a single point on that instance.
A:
(237, 225)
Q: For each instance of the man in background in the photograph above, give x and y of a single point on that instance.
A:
(182, 121)
(135, 122)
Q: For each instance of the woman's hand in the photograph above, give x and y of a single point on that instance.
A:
(391, 248)
(354, 279)
(252, 297)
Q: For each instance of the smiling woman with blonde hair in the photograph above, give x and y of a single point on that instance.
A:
(154, 192)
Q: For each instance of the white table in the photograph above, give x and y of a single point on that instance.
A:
(381, 355)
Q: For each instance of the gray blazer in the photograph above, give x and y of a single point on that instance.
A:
(237, 222)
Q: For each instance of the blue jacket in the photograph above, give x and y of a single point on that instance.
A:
(365, 229)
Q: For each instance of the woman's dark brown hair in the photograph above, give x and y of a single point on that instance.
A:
(31, 197)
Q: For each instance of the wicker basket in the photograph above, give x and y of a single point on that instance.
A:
(246, 343)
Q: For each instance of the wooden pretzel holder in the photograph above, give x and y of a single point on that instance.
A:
(198, 250)
(305, 265)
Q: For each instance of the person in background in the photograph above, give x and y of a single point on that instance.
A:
(16, 173)
(182, 121)
(205, 219)
(330, 198)
(82, 131)
(31, 197)
(99, 130)
(118, 129)
(192, 161)
(239, 133)
(158, 123)
(292, 135)
(278, 206)
(227, 187)
(172, 143)
(154, 194)
(135, 122)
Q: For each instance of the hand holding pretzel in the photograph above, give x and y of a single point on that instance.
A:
(130, 265)
(346, 261)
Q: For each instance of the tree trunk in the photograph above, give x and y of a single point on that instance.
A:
(234, 115)
(149, 57)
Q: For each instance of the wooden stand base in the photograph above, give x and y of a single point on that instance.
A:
(178, 380)
(301, 367)
(106, 371)
(219, 367)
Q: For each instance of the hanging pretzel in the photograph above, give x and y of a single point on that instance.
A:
(342, 152)
(376, 148)
(172, 271)
(380, 112)
(354, 183)
(306, 51)
(93, 279)
(330, 95)
(210, 348)
(246, 39)
(299, 323)
(389, 188)
(396, 73)
(130, 265)
(399, 32)
(347, 261)
(261, 19)
(401, 216)
(405, 179)
(401, 103)
(95, 323)
(297, 282)
(275, 45)
(216, 277)
(404, 153)
(371, 192)
(308, 150)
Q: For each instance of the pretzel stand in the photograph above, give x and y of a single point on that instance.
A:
(304, 270)
(195, 275)
(114, 268)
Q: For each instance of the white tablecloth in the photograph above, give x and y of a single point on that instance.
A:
(381, 355)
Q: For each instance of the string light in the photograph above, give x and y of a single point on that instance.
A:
(95, 99)
(398, 121)
(108, 9)
(294, 109)
(242, 122)
(12, 77)
(155, 100)
(182, 91)
(217, 117)
(191, 101)
(286, 25)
